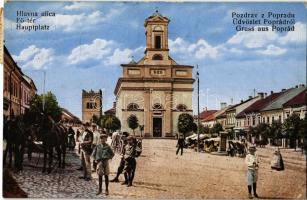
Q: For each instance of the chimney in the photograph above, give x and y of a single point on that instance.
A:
(296, 86)
(241, 100)
(114, 104)
(272, 92)
(223, 105)
(261, 95)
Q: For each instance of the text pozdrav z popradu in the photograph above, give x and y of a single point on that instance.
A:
(268, 21)
(33, 21)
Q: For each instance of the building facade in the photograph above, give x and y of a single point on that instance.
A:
(18, 89)
(275, 110)
(155, 89)
(91, 105)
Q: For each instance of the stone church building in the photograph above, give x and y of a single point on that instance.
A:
(156, 89)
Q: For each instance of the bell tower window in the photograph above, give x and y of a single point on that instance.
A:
(158, 42)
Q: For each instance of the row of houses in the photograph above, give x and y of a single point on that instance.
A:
(18, 88)
(262, 108)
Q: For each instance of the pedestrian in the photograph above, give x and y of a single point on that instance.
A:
(96, 141)
(180, 144)
(71, 139)
(86, 151)
(102, 154)
(130, 162)
(121, 166)
(79, 138)
(252, 163)
(277, 162)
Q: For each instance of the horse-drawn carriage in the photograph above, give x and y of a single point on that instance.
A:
(44, 136)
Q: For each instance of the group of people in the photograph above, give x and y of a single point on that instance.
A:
(95, 154)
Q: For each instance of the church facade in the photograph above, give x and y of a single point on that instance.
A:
(156, 89)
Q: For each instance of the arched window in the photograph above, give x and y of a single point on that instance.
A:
(181, 107)
(157, 106)
(132, 107)
(157, 57)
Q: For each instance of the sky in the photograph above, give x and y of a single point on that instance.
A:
(88, 41)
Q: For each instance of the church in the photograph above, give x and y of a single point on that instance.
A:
(156, 89)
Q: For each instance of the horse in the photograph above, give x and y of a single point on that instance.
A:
(15, 136)
(54, 136)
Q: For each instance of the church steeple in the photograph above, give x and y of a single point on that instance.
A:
(156, 37)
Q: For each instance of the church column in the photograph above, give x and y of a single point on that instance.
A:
(147, 114)
(168, 114)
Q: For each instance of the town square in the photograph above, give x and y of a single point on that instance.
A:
(154, 100)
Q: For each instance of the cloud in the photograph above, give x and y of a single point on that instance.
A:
(26, 54)
(35, 58)
(106, 52)
(79, 6)
(254, 39)
(272, 50)
(296, 36)
(199, 50)
(80, 22)
(97, 50)
(122, 56)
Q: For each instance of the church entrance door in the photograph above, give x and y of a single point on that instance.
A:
(157, 126)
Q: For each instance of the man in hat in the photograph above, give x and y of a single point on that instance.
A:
(102, 154)
(130, 162)
(86, 146)
(252, 162)
(96, 141)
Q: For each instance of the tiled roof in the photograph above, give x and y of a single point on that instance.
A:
(110, 111)
(206, 113)
(284, 98)
(298, 100)
(258, 105)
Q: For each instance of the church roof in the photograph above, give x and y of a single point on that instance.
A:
(156, 17)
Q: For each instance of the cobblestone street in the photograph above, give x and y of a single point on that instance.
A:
(162, 174)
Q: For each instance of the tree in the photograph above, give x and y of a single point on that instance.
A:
(111, 123)
(185, 123)
(194, 127)
(275, 131)
(51, 106)
(95, 119)
(101, 121)
(263, 130)
(292, 126)
(203, 129)
(133, 122)
(217, 128)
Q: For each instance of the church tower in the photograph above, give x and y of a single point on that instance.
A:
(155, 89)
(156, 27)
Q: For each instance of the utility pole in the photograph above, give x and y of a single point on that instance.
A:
(198, 119)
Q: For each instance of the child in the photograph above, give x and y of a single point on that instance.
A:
(251, 161)
(102, 154)
(130, 162)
